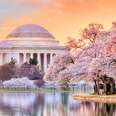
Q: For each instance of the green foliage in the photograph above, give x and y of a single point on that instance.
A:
(33, 61)
(13, 61)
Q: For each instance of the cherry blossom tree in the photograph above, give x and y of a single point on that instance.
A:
(97, 55)
(60, 62)
(91, 31)
(73, 43)
(7, 71)
(114, 24)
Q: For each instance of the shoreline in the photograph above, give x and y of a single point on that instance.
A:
(96, 98)
(32, 90)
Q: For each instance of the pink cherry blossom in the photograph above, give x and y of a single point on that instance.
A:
(82, 64)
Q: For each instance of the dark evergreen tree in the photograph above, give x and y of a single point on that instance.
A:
(13, 61)
(33, 61)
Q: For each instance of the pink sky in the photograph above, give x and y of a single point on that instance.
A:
(63, 18)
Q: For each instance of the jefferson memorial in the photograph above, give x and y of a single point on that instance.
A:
(29, 41)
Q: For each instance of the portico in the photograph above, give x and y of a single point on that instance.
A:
(30, 41)
(43, 58)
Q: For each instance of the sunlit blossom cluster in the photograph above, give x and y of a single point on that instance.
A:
(19, 83)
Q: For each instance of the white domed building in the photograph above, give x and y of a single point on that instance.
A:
(28, 41)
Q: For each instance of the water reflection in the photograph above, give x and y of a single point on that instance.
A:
(20, 104)
(51, 104)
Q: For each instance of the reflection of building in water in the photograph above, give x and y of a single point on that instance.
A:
(52, 101)
(50, 104)
(30, 41)
(21, 104)
(60, 104)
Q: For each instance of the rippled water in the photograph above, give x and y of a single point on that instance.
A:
(50, 104)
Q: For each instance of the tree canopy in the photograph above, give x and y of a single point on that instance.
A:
(89, 33)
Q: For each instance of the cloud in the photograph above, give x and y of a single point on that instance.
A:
(32, 2)
(29, 2)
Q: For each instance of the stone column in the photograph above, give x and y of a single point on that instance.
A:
(45, 62)
(24, 57)
(51, 57)
(39, 60)
(21, 58)
(6, 58)
(31, 55)
(18, 58)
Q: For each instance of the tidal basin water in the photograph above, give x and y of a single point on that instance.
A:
(50, 104)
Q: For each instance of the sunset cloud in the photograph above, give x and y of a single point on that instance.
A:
(32, 2)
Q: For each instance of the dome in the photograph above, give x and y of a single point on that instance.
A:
(30, 30)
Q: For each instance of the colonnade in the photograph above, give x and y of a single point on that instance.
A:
(43, 59)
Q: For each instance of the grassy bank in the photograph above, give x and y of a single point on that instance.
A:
(34, 90)
(19, 90)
